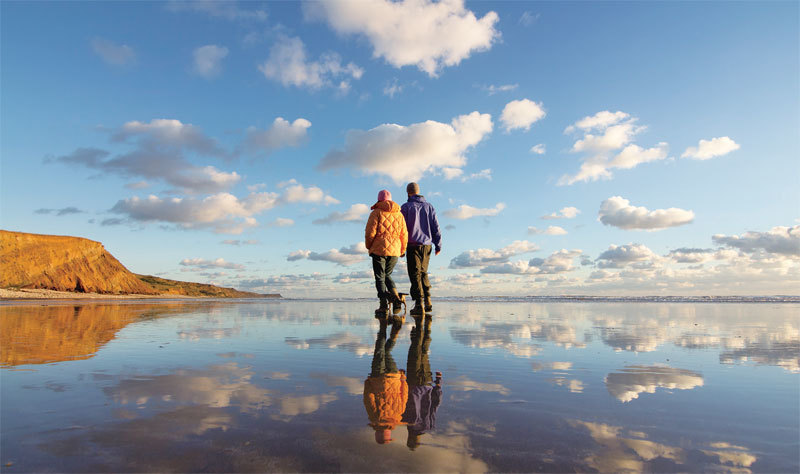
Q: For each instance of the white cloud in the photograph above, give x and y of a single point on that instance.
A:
(691, 255)
(282, 222)
(626, 255)
(426, 34)
(208, 60)
(528, 18)
(356, 213)
(165, 133)
(539, 149)
(482, 174)
(564, 213)
(603, 134)
(240, 242)
(482, 257)
(205, 264)
(557, 262)
(282, 134)
(223, 212)
(287, 64)
(551, 230)
(226, 9)
(780, 240)
(344, 256)
(406, 153)
(60, 212)
(493, 89)
(111, 53)
(521, 114)
(708, 149)
(392, 88)
(618, 212)
(465, 211)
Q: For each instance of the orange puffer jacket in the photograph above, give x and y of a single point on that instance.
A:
(386, 233)
(385, 399)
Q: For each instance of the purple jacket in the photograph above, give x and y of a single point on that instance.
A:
(423, 227)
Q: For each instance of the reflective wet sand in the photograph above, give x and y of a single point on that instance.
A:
(324, 386)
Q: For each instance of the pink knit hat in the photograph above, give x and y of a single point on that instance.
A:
(384, 195)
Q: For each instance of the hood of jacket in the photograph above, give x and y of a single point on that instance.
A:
(386, 206)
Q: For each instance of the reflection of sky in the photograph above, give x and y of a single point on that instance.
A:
(525, 387)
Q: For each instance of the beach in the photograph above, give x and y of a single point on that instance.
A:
(255, 386)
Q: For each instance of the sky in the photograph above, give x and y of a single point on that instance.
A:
(625, 148)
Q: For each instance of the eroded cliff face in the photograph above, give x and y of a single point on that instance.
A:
(64, 263)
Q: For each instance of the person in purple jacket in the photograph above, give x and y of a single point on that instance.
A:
(423, 231)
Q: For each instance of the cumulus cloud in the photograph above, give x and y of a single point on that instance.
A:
(225, 9)
(707, 149)
(206, 264)
(288, 64)
(281, 222)
(406, 153)
(353, 277)
(208, 60)
(482, 257)
(539, 149)
(778, 240)
(465, 211)
(620, 256)
(356, 213)
(558, 262)
(521, 114)
(551, 230)
(602, 135)
(222, 212)
(482, 174)
(64, 211)
(112, 53)
(528, 18)
(426, 34)
(564, 213)
(618, 212)
(691, 255)
(281, 134)
(628, 384)
(344, 256)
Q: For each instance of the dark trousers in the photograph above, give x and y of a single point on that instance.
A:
(382, 360)
(383, 267)
(417, 258)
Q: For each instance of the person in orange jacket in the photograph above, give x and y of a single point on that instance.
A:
(386, 237)
(385, 389)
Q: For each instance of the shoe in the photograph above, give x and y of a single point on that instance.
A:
(383, 309)
(417, 310)
(428, 305)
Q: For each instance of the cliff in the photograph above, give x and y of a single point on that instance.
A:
(62, 263)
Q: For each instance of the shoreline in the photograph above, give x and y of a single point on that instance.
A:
(7, 294)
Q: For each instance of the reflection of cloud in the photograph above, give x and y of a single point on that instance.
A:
(538, 366)
(637, 379)
(291, 406)
(217, 386)
(342, 340)
(353, 385)
(573, 385)
(466, 385)
(619, 454)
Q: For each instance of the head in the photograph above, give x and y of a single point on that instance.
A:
(384, 195)
(412, 189)
(383, 436)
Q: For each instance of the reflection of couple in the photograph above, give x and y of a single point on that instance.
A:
(393, 397)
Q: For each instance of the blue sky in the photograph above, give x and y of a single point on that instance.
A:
(241, 143)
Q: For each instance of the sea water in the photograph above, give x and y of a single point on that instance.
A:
(280, 386)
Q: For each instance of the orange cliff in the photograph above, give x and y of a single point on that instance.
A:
(75, 264)
(64, 263)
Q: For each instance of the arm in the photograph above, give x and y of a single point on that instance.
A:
(371, 229)
(436, 233)
(404, 238)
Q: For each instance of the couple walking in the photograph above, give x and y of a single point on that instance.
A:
(392, 231)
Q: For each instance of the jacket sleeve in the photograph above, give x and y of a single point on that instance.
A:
(436, 233)
(371, 230)
(403, 237)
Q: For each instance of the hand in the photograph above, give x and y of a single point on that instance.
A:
(438, 252)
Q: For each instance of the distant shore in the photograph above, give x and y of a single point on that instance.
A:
(39, 294)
